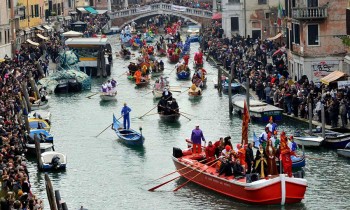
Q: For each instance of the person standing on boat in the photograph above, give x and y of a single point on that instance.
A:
(286, 155)
(125, 113)
(196, 138)
(249, 157)
(271, 125)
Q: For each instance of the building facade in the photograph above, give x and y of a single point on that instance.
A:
(314, 28)
(253, 18)
(5, 29)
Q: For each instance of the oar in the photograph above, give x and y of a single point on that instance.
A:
(92, 95)
(121, 74)
(107, 127)
(147, 93)
(104, 130)
(188, 114)
(183, 91)
(172, 172)
(181, 186)
(176, 112)
(164, 183)
(171, 71)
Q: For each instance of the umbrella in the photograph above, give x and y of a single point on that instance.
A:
(217, 16)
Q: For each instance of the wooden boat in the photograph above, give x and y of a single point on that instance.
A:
(259, 111)
(125, 56)
(344, 152)
(173, 58)
(307, 140)
(272, 190)
(169, 118)
(44, 147)
(37, 124)
(108, 96)
(235, 87)
(127, 136)
(183, 75)
(53, 161)
(68, 86)
(38, 104)
(157, 93)
(143, 83)
(46, 136)
(333, 139)
(193, 93)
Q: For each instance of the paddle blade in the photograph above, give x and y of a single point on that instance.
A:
(164, 183)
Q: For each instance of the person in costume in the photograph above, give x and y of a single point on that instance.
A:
(241, 154)
(210, 152)
(286, 154)
(196, 138)
(271, 125)
(137, 76)
(271, 158)
(260, 162)
(249, 157)
(263, 137)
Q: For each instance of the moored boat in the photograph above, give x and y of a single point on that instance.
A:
(272, 190)
(333, 139)
(307, 140)
(39, 104)
(44, 147)
(259, 111)
(344, 152)
(235, 87)
(53, 161)
(37, 124)
(43, 135)
(127, 136)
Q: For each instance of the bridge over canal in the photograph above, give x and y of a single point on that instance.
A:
(123, 17)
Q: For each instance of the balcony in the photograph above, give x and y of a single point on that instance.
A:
(310, 13)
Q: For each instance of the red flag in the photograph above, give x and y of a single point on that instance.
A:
(245, 123)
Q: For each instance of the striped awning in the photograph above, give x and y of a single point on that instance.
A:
(275, 37)
(332, 77)
(32, 43)
(42, 37)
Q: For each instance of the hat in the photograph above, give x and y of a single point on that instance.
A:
(228, 147)
(239, 146)
(197, 125)
(291, 137)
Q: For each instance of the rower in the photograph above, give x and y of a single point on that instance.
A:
(167, 94)
(114, 83)
(104, 87)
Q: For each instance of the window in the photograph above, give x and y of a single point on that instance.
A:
(233, 1)
(0, 37)
(32, 6)
(8, 35)
(267, 15)
(312, 34)
(70, 3)
(296, 28)
(5, 37)
(256, 34)
(36, 10)
(261, 1)
(347, 21)
(234, 24)
(312, 3)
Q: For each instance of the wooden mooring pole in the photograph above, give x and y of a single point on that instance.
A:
(310, 117)
(50, 194)
(323, 119)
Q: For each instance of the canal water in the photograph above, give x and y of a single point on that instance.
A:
(103, 173)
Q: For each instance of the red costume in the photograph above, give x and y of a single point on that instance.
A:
(186, 58)
(286, 155)
(210, 153)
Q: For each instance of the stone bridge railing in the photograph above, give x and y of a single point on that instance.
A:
(162, 8)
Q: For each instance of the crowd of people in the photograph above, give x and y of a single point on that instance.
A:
(248, 58)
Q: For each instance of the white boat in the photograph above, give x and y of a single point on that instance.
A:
(53, 161)
(344, 152)
(307, 140)
(194, 93)
(41, 114)
(40, 105)
(258, 110)
(108, 96)
(44, 147)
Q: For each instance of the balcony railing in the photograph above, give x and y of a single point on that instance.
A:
(309, 13)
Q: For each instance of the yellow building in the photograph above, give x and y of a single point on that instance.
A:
(31, 13)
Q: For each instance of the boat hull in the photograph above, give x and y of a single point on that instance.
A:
(42, 105)
(262, 192)
(184, 75)
(127, 136)
(344, 152)
(105, 97)
(169, 118)
(334, 140)
(308, 141)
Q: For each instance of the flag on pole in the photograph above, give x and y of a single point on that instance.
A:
(279, 14)
(245, 123)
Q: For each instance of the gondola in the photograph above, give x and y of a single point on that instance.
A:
(169, 118)
(108, 96)
(173, 58)
(126, 56)
(127, 136)
(143, 83)
(183, 75)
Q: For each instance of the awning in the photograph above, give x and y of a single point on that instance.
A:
(27, 29)
(33, 43)
(332, 77)
(42, 37)
(275, 37)
(73, 13)
(47, 27)
(67, 18)
(39, 28)
(217, 16)
(91, 10)
(82, 10)
(72, 34)
(99, 11)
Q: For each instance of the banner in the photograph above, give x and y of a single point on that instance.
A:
(143, 9)
(178, 8)
(343, 84)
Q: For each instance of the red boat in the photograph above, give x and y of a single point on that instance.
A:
(279, 189)
(173, 58)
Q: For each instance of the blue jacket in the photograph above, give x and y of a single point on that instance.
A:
(125, 111)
